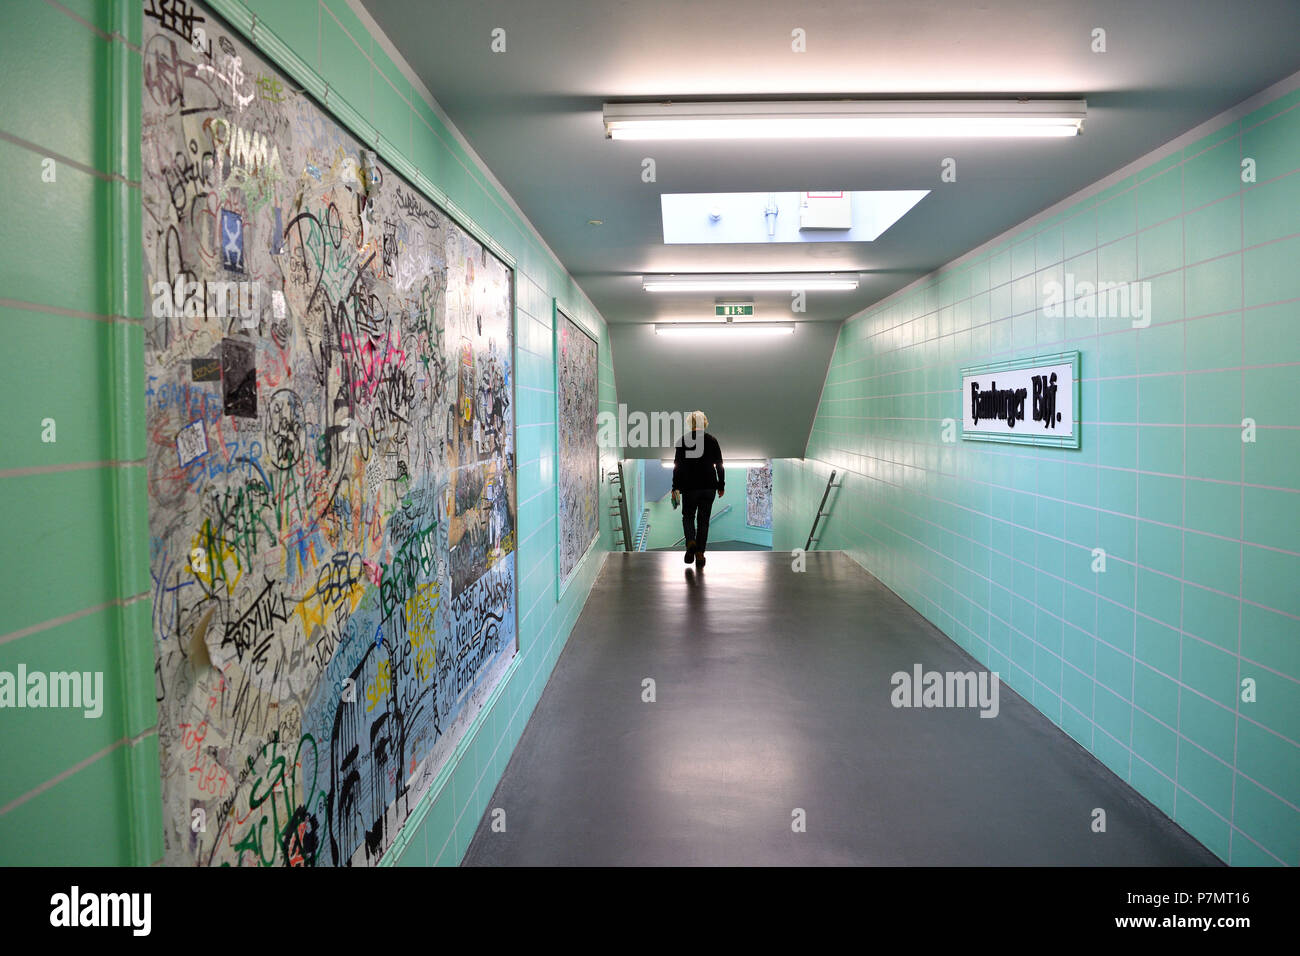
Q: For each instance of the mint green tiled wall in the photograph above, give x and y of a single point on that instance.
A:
(75, 789)
(79, 791)
(1142, 664)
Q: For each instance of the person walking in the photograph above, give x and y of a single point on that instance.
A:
(697, 476)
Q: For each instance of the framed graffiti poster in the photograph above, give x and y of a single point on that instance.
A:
(758, 497)
(330, 461)
(578, 474)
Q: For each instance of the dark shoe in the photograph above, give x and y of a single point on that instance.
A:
(699, 559)
(690, 552)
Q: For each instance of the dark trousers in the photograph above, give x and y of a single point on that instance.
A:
(696, 507)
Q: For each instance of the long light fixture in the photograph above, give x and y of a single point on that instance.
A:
(696, 329)
(751, 282)
(844, 119)
(727, 463)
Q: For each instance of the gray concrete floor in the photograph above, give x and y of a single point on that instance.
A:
(773, 693)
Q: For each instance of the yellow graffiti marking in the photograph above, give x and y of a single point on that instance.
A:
(420, 619)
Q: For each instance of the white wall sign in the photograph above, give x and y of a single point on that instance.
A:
(1026, 400)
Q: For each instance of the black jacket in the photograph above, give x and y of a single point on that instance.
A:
(702, 472)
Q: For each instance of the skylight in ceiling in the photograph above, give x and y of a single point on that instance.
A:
(825, 216)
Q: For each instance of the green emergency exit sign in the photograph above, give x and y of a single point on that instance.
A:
(724, 311)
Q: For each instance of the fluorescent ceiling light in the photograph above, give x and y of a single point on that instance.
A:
(724, 328)
(751, 282)
(842, 119)
(729, 463)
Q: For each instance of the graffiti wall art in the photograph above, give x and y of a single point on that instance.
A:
(331, 465)
(579, 471)
(758, 497)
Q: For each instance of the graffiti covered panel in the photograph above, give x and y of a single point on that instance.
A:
(331, 465)
(579, 473)
(758, 497)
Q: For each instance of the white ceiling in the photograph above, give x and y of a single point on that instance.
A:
(533, 114)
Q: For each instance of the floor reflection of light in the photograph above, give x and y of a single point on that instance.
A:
(744, 755)
(722, 569)
(701, 764)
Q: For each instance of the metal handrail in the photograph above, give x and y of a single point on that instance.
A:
(625, 527)
(643, 530)
(821, 511)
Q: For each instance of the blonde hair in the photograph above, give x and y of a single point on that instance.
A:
(696, 419)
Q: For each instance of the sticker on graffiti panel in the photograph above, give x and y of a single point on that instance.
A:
(232, 240)
(191, 442)
(205, 370)
(239, 378)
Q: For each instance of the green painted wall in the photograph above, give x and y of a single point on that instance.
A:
(734, 526)
(82, 791)
(75, 789)
(993, 543)
(666, 525)
(666, 521)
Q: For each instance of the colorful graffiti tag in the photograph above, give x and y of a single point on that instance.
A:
(331, 467)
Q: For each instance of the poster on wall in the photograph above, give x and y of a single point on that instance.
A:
(579, 457)
(758, 497)
(331, 466)
(1029, 401)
